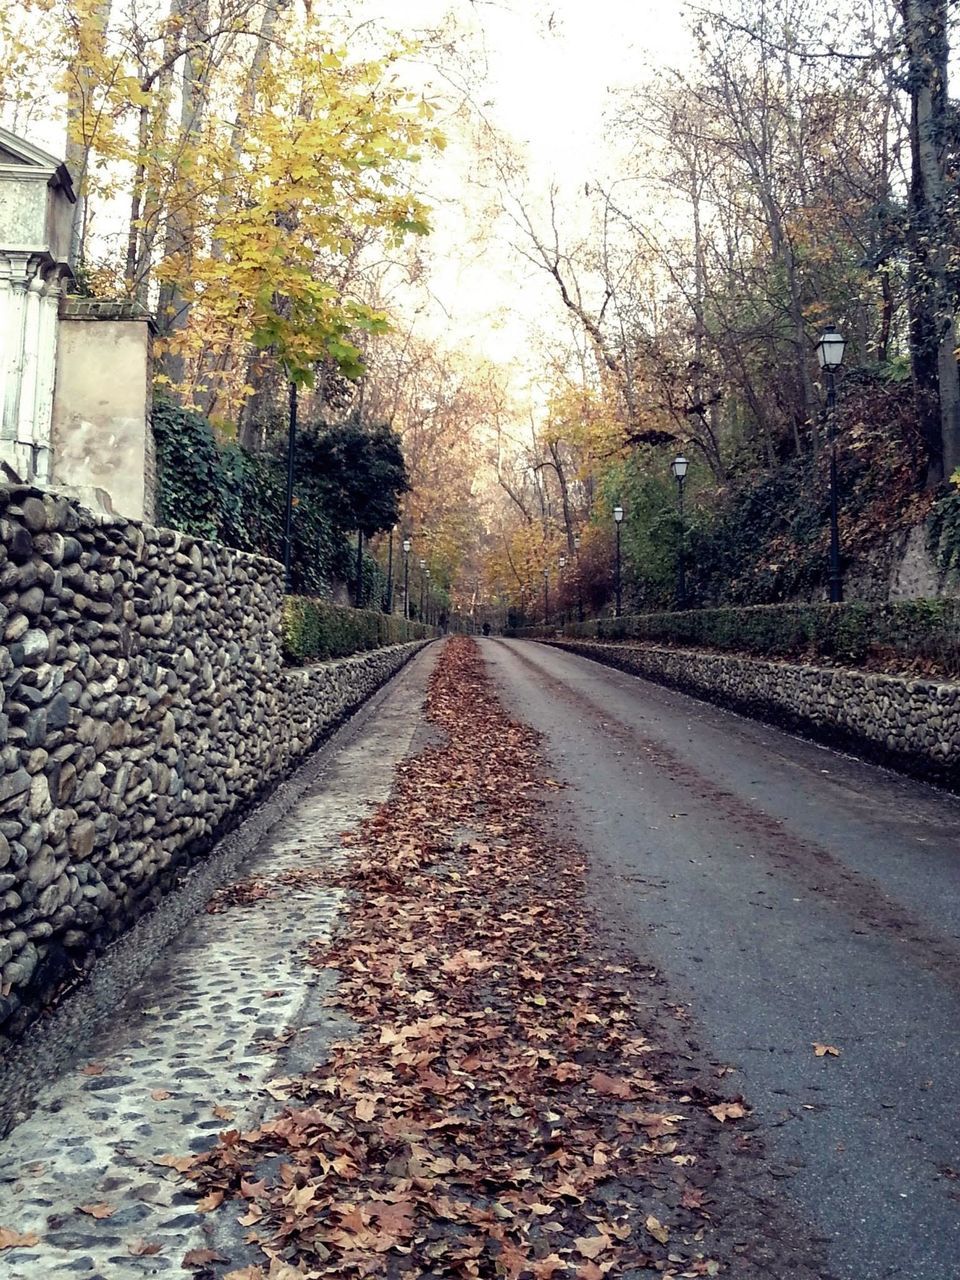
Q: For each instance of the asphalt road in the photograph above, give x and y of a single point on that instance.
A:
(790, 896)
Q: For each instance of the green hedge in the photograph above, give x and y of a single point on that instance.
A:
(315, 629)
(848, 633)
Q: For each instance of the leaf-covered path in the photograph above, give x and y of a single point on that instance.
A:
(501, 1109)
(506, 1100)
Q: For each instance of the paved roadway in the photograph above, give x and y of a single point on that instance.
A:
(790, 896)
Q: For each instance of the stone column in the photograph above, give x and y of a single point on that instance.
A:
(29, 293)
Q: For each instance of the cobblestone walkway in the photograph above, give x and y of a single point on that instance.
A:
(200, 1046)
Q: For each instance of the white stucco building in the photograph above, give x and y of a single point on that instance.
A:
(36, 217)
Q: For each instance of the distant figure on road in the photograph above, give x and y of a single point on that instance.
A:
(486, 628)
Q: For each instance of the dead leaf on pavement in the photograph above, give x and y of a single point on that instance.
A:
(608, 1085)
(201, 1258)
(143, 1248)
(93, 1069)
(97, 1210)
(10, 1239)
(592, 1246)
(160, 1095)
(724, 1111)
(213, 1200)
(656, 1229)
(825, 1050)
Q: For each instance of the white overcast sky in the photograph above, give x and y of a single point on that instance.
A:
(546, 72)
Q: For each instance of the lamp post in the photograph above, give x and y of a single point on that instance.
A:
(618, 521)
(423, 565)
(679, 469)
(576, 549)
(288, 513)
(830, 355)
(561, 590)
(406, 579)
(546, 596)
(388, 605)
(429, 598)
(359, 583)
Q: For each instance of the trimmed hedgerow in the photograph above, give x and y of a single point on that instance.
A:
(854, 633)
(315, 629)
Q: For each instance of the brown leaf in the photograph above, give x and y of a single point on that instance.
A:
(223, 1113)
(724, 1111)
(213, 1200)
(143, 1248)
(656, 1229)
(365, 1109)
(180, 1163)
(160, 1095)
(93, 1069)
(822, 1050)
(97, 1210)
(10, 1239)
(609, 1086)
(200, 1258)
(592, 1246)
(246, 1273)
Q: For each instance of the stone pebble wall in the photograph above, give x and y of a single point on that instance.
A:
(913, 725)
(144, 705)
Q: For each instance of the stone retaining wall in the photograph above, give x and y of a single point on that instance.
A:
(913, 725)
(144, 706)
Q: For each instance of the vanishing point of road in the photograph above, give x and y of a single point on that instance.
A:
(790, 896)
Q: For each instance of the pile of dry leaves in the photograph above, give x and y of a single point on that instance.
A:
(499, 1112)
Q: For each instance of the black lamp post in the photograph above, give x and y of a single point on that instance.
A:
(618, 521)
(423, 565)
(406, 579)
(359, 584)
(576, 548)
(830, 355)
(429, 598)
(561, 590)
(546, 596)
(288, 513)
(388, 604)
(679, 469)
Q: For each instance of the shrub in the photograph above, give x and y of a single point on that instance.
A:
(315, 629)
(854, 633)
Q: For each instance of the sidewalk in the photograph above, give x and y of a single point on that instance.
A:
(497, 1095)
(228, 1008)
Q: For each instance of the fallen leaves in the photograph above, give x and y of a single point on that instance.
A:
(97, 1210)
(196, 1258)
(10, 1239)
(143, 1248)
(500, 1109)
(655, 1228)
(825, 1050)
(724, 1111)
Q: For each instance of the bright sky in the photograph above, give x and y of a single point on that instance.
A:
(546, 83)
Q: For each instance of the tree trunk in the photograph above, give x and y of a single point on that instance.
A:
(933, 334)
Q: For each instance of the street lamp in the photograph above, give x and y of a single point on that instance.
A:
(679, 469)
(576, 548)
(618, 521)
(546, 596)
(406, 579)
(561, 587)
(423, 565)
(429, 599)
(830, 356)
